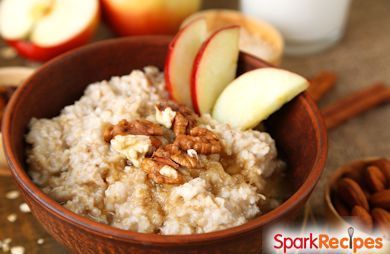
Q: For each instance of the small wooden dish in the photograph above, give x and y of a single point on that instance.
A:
(255, 33)
(354, 168)
(11, 76)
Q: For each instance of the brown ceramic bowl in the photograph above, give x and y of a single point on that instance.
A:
(298, 129)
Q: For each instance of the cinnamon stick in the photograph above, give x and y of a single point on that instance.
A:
(321, 84)
(356, 103)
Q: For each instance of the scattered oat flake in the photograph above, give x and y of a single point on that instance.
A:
(24, 208)
(4, 244)
(12, 194)
(17, 250)
(7, 240)
(40, 241)
(12, 217)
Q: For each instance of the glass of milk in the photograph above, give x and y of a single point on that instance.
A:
(307, 26)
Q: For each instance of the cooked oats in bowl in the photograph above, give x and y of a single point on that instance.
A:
(127, 156)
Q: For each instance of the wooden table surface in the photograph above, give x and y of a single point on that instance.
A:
(359, 59)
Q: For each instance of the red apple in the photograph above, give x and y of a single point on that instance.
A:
(180, 59)
(44, 29)
(214, 68)
(134, 17)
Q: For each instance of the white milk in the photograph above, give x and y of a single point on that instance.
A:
(307, 25)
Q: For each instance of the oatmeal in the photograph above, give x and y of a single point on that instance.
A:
(124, 155)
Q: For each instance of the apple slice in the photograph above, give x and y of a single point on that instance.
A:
(255, 95)
(42, 29)
(180, 60)
(214, 68)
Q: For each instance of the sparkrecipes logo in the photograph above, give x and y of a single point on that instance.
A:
(314, 240)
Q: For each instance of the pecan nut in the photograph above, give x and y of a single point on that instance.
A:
(184, 120)
(201, 140)
(185, 160)
(180, 125)
(161, 173)
(136, 127)
(173, 153)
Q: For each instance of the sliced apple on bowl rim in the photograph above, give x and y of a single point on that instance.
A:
(214, 67)
(44, 29)
(255, 95)
(179, 62)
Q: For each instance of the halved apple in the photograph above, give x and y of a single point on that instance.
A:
(181, 54)
(43, 29)
(255, 95)
(214, 68)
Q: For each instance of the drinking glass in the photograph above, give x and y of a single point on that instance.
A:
(307, 26)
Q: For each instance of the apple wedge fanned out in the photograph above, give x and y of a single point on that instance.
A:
(181, 54)
(214, 68)
(42, 29)
(255, 95)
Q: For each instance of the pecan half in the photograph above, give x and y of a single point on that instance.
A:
(136, 127)
(156, 143)
(180, 124)
(160, 172)
(167, 161)
(185, 160)
(185, 118)
(201, 140)
(173, 153)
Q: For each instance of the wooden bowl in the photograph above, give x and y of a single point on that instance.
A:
(11, 76)
(298, 129)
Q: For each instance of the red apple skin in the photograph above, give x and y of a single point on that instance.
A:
(195, 69)
(34, 52)
(128, 22)
(167, 66)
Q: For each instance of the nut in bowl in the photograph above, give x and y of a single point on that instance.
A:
(176, 156)
(358, 194)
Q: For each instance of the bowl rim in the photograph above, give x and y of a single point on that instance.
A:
(106, 231)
